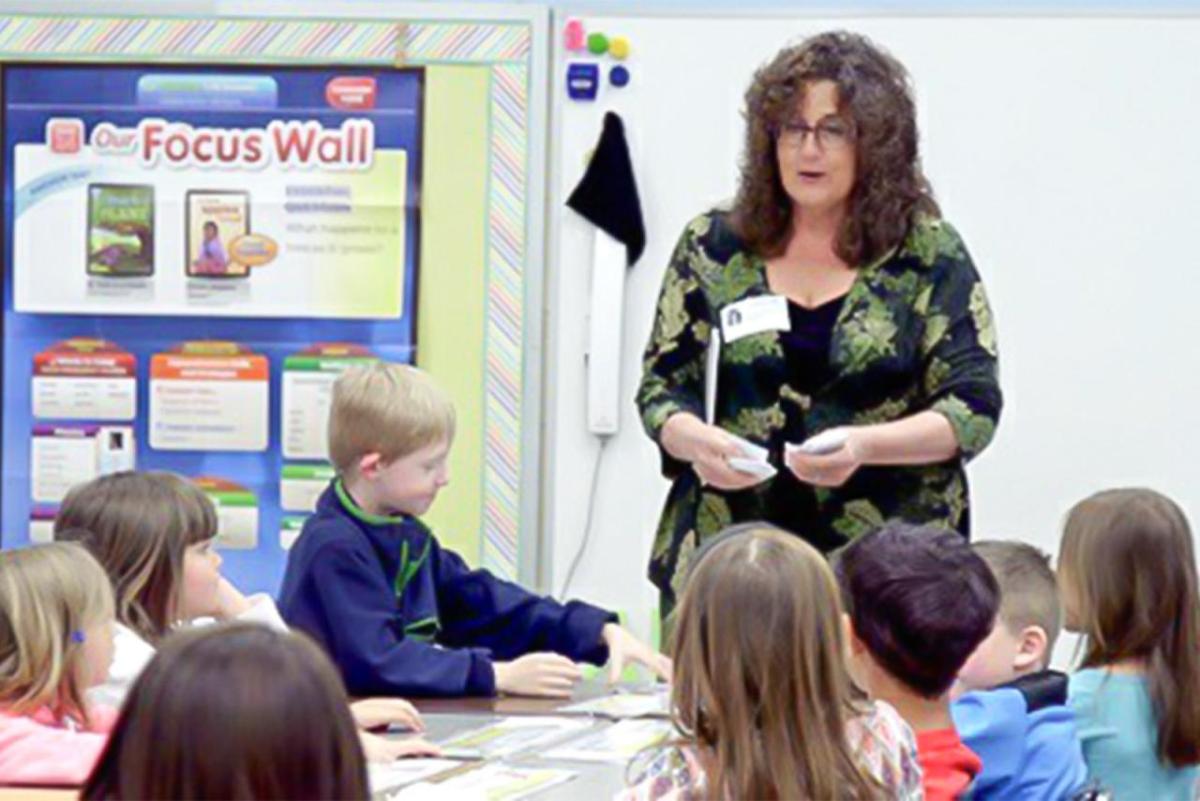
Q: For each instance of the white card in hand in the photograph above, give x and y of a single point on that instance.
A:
(749, 450)
(824, 443)
(761, 470)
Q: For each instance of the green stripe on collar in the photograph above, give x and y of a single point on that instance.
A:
(357, 511)
(424, 630)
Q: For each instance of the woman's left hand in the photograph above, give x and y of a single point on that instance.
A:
(830, 469)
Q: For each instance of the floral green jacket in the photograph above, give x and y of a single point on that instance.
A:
(914, 333)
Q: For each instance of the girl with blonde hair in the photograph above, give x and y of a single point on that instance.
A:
(56, 619)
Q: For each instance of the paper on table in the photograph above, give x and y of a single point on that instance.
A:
(619, 742)
(626, 705)
(490, 782)
(385, 776)
(509, 736)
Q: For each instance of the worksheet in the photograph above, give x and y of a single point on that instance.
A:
(491, 782)
(621, 704)
(619, 742)
(509, 736)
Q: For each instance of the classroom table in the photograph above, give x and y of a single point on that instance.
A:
(593, 781)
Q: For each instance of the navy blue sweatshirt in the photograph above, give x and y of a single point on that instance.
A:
(400, 615)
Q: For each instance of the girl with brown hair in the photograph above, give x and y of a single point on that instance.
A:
(760, 695)
(1127, 571)
(233, 712)
(153, 532)
(56, 617)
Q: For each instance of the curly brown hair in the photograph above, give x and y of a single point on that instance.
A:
(874, 93)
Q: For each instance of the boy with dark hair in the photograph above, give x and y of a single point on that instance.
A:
(1014, 713)
(919, 602)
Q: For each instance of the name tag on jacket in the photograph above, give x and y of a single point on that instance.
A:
(754, 316)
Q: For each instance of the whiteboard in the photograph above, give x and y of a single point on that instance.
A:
(1065, 152)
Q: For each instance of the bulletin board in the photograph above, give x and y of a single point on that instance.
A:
(206, 219)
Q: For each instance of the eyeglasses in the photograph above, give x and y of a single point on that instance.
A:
(831, 133)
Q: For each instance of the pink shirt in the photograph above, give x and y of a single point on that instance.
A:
(37, 749)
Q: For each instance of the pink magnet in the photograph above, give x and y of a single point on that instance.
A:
(573, 36)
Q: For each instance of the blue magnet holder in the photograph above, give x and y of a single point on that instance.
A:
(583, 81)
(618, 76)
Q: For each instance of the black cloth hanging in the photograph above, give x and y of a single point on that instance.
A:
(607, 195)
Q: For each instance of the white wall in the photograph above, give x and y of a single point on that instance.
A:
(1064, 150)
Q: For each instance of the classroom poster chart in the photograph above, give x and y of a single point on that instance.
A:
(165, 312)
(308, 379)
(208, 194)
(85, 379)
(66, 455)
(209, 396)
(237, 512)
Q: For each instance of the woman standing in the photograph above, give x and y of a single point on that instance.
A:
(843, 301)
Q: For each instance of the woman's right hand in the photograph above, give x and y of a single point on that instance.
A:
(707, 448)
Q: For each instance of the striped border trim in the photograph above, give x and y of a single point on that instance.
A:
(468, 43)
(236, 39)
(131, 38)
(504, 318)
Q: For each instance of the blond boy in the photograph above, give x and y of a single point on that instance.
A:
(400, 614)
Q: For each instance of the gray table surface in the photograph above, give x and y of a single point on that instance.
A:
(593, 781)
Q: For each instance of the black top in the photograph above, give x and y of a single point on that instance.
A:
(806, 349)
(806, 346)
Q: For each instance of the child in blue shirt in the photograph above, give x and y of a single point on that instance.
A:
(1127, 567)
(1014, 712)
(397, 612)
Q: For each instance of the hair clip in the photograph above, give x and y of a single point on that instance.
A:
(77, 636)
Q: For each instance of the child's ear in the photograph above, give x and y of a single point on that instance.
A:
(369, 465)
(852, 641)
(1031, 649)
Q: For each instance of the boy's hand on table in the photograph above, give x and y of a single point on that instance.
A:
(371, 713)
(544, 675)
(381, 749)
(624, 648)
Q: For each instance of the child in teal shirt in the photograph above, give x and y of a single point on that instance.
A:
(1118, 727)
(1127, 569)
